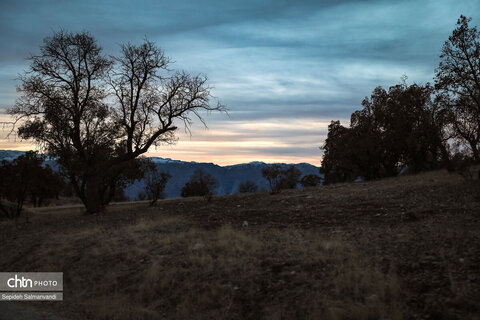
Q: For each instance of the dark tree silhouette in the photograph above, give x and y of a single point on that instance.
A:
(201, 184)
(311, 180)
(273, 174)
(337, 162)
(279, 178)
(95, 113)
(289, 177)
(396, 130)
(248, 187)
(47, 184)
(156, 181)
(119, 177)
(457, 80)
(23, 177)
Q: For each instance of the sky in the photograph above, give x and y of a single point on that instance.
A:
(284, 69)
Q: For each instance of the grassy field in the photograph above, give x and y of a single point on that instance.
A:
(402, 248)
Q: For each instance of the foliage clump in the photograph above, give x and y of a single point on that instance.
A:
(201, 184)
(27, 177)
(311, 180)
(279, 178)
(248, 187)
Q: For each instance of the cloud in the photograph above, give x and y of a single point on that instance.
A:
(270, 61)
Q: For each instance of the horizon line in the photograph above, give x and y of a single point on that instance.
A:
(150, 155)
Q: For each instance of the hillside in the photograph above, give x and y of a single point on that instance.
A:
(400, 248)
(229, 177)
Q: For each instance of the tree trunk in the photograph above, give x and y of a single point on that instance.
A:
(111, 193)
(445, 156)
(476, 153)
(4, 210)
(94, 194)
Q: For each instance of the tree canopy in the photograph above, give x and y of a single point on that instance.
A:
(201, 184)
(457, 80)
(396, 129)
(414, 127)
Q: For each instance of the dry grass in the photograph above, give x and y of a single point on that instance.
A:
(398, 248)
(149, 270)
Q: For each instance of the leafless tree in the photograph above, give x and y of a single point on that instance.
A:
(96, 112)
(155, 181)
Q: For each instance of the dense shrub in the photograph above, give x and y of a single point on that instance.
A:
(289, 178)
(27, 177)
(200, 184)
(248, 187)
(272, 174)
(311, 180)
(279, 178)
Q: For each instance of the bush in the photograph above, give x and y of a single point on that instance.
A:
(289, 178)
(272, 174)
(279, 179)
(27, 177)
(464, 165)
(201, 184)
(311, 180)
(248, 187)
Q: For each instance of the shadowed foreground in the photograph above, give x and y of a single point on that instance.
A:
(398, 248)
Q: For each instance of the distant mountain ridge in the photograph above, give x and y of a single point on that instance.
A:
(229, 177)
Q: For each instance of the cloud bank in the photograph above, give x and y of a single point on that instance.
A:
(283, 68)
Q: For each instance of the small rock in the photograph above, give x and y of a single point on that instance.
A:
(245, 224)
(236, 287)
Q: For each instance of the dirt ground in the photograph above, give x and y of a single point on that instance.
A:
(245, 256)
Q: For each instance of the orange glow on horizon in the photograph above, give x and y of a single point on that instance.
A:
(234, 142)
(196, 155)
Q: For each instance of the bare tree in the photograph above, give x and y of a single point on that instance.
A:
(95, 112)
(155, 181)
(457, 80)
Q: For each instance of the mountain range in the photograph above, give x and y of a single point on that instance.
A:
(229, 177)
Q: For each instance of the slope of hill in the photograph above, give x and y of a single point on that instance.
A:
(229, 177)
(400, 248)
